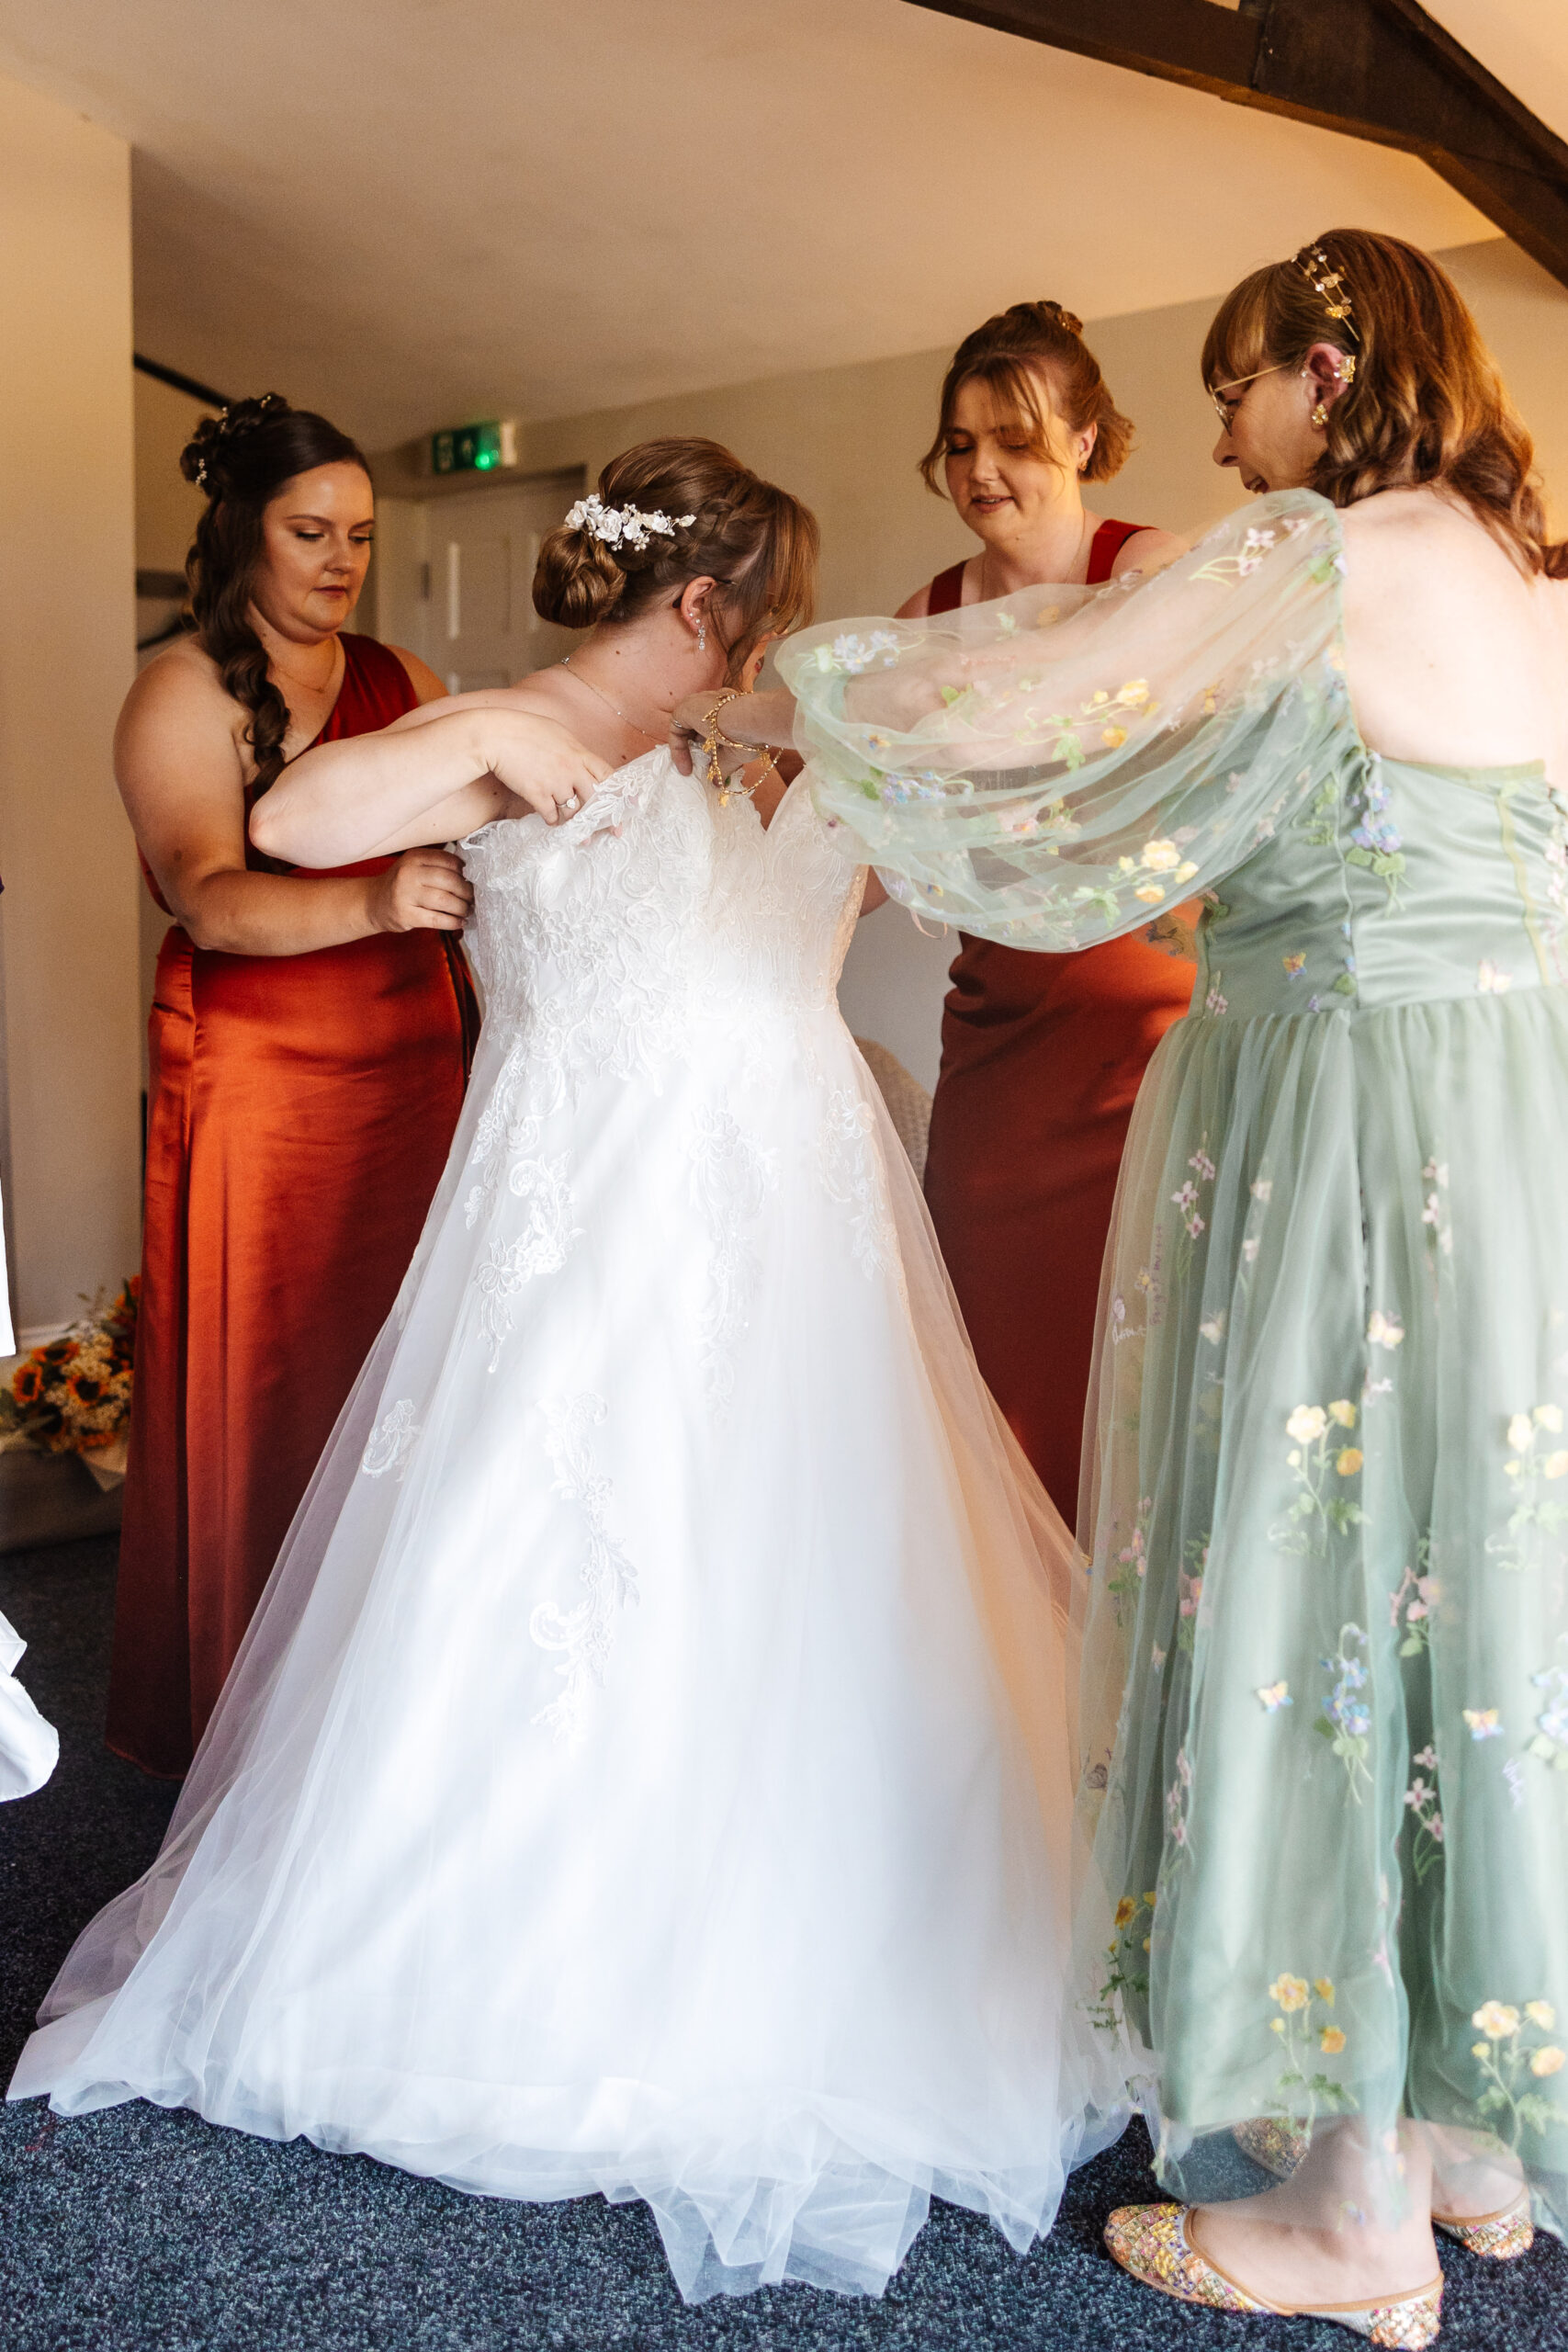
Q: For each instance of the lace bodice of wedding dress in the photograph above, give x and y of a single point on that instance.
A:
(656, 919)
(648, 1772)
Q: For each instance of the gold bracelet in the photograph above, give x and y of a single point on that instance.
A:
(713, 737)
(732, 784)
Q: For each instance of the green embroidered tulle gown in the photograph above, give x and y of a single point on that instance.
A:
(1325, 1513)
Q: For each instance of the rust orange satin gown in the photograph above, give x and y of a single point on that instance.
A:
(300, 1113)
(1041, 1057)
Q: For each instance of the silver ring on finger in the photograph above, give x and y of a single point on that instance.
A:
(571, 804)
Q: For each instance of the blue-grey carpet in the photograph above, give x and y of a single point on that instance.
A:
(136, 2231)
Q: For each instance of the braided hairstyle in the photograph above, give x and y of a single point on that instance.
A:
(241, 458)
(1010, 353)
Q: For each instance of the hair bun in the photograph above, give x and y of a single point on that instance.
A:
(1063, 316)
(203, 460)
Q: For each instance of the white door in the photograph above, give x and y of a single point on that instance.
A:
(483, 629)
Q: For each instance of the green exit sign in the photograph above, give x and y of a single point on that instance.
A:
(474, 449)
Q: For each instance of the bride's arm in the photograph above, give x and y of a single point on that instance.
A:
(433, 776)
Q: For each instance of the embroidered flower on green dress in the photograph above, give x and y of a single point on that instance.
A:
(1303, 2091)
(1531, 1539)
(1317, 1511)
(1509, 2059)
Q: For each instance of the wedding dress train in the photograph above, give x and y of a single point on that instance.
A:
(649, 1769)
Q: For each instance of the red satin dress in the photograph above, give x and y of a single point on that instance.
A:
(300, 1115)
(1041, 1056)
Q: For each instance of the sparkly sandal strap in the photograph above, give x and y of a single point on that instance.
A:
(1501, 2236)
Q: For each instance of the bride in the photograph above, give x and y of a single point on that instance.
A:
(648, 1772)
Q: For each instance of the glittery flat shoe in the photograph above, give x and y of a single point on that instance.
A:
(1275, 2144)
(1152, 2243)
(1502, 2236)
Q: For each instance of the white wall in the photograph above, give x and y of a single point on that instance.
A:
(66, 656)
(846, 439)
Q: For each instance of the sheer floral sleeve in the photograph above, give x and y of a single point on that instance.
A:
(1051, 768)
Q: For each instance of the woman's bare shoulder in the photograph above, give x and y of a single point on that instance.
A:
(421, 676)
(1148, 550)
(916, 607)
(182, 687)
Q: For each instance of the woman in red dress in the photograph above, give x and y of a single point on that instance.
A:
(1042, 1056)
(310, 1041)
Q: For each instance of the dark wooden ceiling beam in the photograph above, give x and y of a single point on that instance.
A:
(1381, 70)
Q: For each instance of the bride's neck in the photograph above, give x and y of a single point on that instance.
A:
(639, 674)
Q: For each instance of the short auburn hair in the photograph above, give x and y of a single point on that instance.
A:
(1426, 403)
(757, 541)
(1010, 353)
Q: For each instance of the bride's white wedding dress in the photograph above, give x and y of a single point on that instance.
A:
(649, 1769)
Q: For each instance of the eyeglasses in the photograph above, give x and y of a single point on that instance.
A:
(1226, 410)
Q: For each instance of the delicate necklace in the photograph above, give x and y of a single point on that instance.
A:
(647, 736)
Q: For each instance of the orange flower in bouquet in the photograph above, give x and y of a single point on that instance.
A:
(74, 1395)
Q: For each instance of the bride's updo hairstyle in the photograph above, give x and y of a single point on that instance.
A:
(241, 459)
(1425, 401)
(755, 540)
(1009, 354)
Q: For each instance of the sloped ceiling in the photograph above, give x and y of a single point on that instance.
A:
(411, 211)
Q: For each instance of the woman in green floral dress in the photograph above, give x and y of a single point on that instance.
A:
(1325, 1508)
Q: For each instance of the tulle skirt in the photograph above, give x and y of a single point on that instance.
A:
(649, 1772)
(1327, 1695)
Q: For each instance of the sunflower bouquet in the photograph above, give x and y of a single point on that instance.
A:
(74, 1395)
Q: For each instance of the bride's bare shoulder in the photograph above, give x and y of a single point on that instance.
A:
(539, 695)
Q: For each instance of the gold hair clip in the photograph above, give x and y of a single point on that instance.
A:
(1329, 284)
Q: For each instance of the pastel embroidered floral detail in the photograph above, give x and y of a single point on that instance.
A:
(851, 655)
(1418, 1596)
(1320, 819)
(1317, 1457)
(1213, 1329)
(1375, 842)
(1491, 979)
(1530, 1538)
(1384, 1330)
(1190, 1587)
(1128, 1957)
(1215, 1002)
(1346, 1721)
(1273, 1696)
(1187, 1199)
(1156, 858)
(1482, 1722)
(1227, 570)
(1303, 2091)
(1295, 965)
(1551, 1740)
(1421, 1801)
(1510, 2058)
(896, 790)
(1132, 1560)
(1434, 1208)
(1120, 1328)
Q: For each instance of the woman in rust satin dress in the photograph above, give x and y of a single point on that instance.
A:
(1042, 1056)
(309, 1042)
